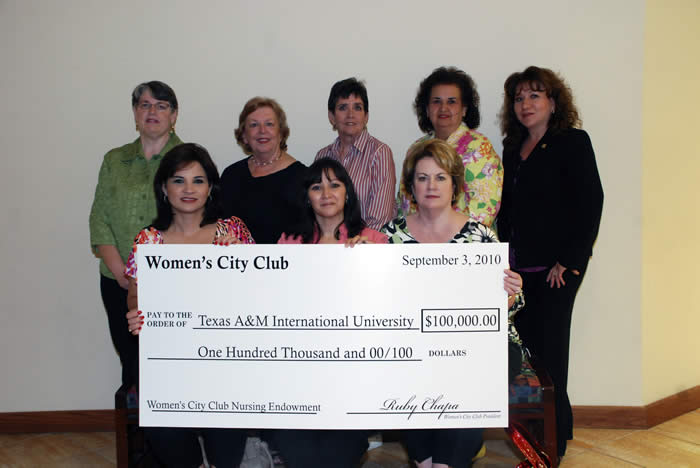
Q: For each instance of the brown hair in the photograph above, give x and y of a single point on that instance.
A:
(251, 106)
(539, 79)
(444, 156)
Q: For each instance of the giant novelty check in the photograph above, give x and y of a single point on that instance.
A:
(323, 336)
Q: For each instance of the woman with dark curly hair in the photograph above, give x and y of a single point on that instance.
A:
(447, 106)
(552, 203)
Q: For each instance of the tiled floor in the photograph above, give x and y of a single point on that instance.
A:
(675, 443)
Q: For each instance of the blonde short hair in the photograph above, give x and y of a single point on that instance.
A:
(251, 106)
(444, 156)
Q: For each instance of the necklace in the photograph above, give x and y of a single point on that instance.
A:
(257, 163)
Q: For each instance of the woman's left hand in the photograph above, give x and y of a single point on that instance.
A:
(358, 239)
(556, 275)
(227, 240)
(512, 283)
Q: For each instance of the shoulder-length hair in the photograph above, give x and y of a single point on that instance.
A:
(537, 79)
(308, 227)
(251, 106)
(444, 156)
(448, 76)
(174, 160)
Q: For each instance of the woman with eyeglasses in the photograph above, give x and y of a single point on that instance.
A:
(124, 203)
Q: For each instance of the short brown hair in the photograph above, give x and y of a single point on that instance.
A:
(444, 156)
(539, 79)
(251, 106)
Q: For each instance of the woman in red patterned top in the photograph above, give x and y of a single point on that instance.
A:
(186, 186)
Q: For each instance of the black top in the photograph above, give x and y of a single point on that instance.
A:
(552, 202)
(268, 204)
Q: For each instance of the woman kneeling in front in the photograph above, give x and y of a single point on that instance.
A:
(434, 176)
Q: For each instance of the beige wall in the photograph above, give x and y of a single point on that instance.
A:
(671, 198)
(68, 69)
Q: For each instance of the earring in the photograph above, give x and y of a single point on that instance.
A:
(346, 198)
(172, 129)
(137, 127)
(165, 197)
(552, 110)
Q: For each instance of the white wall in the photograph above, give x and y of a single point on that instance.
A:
(69, 68)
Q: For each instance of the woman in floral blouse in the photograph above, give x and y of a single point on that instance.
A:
(447, 106)
(186, 188)
(433, 176)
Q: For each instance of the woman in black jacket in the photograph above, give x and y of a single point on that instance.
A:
(550, 213)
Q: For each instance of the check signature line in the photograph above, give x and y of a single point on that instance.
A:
(422, 412)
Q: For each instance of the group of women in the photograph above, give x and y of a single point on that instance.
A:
(450, 191)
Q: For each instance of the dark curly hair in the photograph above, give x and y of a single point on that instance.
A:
(449, 76)
(538, 79)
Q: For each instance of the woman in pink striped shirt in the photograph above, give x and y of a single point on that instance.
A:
(369, 162)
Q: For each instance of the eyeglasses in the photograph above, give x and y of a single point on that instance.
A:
(160, 106)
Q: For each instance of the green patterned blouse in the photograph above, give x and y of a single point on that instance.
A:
(124, 201)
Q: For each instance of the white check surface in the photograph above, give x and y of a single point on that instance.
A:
(323, 336)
